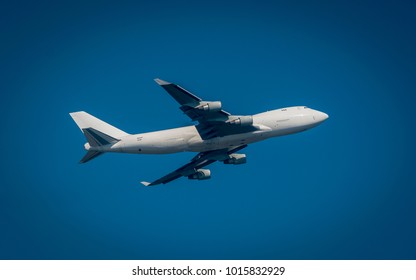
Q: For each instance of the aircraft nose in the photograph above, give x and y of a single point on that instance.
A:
(320, 116)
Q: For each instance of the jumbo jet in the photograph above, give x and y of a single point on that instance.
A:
(217, 135)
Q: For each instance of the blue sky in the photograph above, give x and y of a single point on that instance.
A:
(344, 190)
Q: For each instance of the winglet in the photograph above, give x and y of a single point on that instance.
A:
(161, 82)
(145, 183)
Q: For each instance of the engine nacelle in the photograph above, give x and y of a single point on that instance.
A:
(200, 174)
(213, 106)
(242, 121)
(236, 159)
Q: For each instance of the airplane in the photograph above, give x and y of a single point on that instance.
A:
(217, 135)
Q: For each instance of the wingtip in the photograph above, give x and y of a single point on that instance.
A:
(161, 82)
(146, 184)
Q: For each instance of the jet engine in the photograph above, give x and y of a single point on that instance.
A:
(242, 121)
(236, 159)
(213, 106)
(200, 174)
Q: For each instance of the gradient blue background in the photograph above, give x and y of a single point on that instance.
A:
(344, 190)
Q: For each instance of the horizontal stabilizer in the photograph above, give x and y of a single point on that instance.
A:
(97, 138)
(89, 156)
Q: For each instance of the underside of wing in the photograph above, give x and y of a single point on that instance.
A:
(208, 131)
(213, 120)
(193, 170)
(193, 106)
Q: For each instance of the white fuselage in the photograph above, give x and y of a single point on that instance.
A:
(269, 124)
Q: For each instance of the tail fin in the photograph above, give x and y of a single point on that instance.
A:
(97, 133)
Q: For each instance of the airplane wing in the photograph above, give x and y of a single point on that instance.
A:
(199, 161)
(193, 106)
(213, 120)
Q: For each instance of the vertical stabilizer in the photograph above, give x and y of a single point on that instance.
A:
(85, 120)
